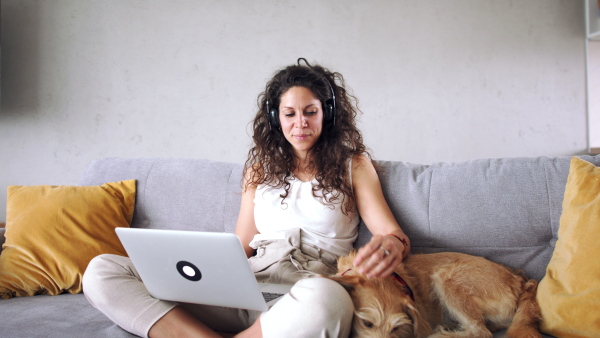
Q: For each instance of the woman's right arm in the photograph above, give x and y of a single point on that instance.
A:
(245, 228)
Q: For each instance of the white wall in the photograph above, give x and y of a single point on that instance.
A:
(593, 74)
(437, 80)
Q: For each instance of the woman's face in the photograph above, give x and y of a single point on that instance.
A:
(301, 117)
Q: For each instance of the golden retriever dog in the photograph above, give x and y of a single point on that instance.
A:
(441, 295)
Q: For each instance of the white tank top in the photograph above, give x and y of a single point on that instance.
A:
(322, 225)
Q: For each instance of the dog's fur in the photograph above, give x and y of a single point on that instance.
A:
(456, 295)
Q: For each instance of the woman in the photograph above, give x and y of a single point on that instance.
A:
(306, 180)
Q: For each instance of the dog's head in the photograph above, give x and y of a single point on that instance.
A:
(382, 307)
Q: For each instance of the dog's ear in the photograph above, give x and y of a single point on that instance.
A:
(346, 262)
(421, 327)
(348, 282)
(415, 317)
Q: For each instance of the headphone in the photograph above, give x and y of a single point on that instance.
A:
(328, 105)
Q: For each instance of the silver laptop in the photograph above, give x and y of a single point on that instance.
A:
(197, 267)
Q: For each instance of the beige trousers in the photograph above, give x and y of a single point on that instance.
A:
(315, 307)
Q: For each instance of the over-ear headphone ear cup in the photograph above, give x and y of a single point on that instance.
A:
(328, 111)
(274, 118)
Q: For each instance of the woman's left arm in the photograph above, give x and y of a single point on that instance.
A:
(389, 245)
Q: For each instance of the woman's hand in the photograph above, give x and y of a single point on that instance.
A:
(380, 256)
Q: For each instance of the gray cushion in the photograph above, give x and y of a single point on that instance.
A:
(507, 210)
(65, 315)
(186, 194)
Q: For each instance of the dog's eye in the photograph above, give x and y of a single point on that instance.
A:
(397, 328)
(367, 324)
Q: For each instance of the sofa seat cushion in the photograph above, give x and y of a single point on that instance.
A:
(66, 315)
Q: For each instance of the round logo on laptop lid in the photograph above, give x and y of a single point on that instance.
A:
(189, 271)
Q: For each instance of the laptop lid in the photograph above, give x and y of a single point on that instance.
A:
(194, 267)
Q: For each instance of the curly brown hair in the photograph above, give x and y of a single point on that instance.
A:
(272, 157)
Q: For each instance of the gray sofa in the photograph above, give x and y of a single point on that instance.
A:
(505, 209)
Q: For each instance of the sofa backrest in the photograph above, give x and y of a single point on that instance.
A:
(183, 194)
(506, 210)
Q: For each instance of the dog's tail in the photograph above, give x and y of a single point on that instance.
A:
(526, 322)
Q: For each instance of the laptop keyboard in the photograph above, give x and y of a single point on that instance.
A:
(271, 296)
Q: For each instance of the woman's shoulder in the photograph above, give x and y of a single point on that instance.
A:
(255, 167)
(362, 168)
(253, 175)
(361, 162)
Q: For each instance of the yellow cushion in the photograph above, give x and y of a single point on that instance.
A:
(52, 233)
(569, 294)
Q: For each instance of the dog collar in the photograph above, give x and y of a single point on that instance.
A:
(345, 272)
(407, 290)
